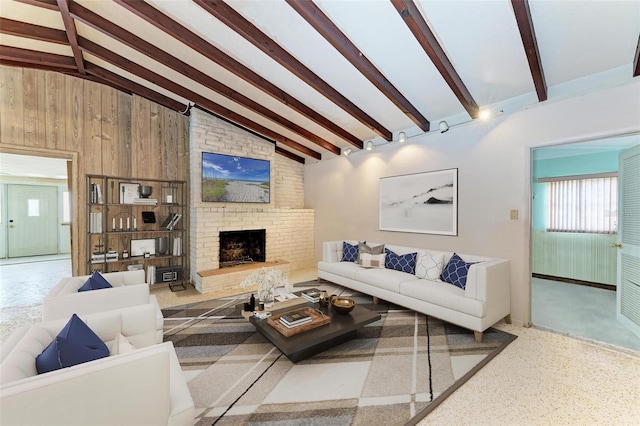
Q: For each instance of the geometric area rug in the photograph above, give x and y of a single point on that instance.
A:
(395, 372)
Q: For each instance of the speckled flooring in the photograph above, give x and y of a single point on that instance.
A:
(542, 378)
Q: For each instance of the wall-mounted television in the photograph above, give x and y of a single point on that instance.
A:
(233, 179)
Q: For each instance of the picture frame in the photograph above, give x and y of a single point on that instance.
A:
(425, 203)
(128, 192)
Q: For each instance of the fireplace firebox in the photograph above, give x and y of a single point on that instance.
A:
(238, 247)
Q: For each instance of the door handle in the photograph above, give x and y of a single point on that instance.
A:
(616, 245)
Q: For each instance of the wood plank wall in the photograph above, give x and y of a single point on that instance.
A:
(106, 131)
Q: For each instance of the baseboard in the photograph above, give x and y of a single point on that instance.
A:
(574, 281)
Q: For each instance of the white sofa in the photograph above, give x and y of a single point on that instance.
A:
(129, 289)
(484, 301)
(143, 387)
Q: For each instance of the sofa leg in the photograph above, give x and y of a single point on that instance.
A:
(375, 300)
(507, 319)
(478, 336)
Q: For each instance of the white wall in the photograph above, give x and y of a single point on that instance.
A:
(494, 175)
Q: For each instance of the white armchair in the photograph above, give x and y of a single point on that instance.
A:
(143, 387)
(129, 289)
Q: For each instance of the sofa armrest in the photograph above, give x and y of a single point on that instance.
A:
(490, 282)
(87, 302)
(130, 388)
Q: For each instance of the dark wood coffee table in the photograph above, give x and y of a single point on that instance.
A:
(301, 346)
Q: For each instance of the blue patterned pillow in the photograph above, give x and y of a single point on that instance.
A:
(349, 252)
(403, 263)
(456, 271)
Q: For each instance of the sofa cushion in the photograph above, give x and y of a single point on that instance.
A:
(120, 345)
(456, 271)
(363, 247)
(371, 260)
(443, 294)
(387, 279)
(76, 343)
(403, 263)
(95, 282)
(429, 265)
(349, 252)
(343, 269)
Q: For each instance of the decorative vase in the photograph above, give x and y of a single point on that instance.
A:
(266, 297)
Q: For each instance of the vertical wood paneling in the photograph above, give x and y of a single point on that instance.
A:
(55, 112)
(55, 132)
(156, 149)
(111, 150)
(30, 118)
(74, 112)
(141, 139)
(12, 107)
(124, 133)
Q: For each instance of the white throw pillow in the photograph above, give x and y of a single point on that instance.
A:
(121, 345)
(429, 265)
(371, 260)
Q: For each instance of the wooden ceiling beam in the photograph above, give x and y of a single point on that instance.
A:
(42, 59)
(72, 34)
(176, 30)
(528, 36)
(107, 27)
(246, 29)
(330, 31)
(33, 32)
(106, 55)
(421, 31)
(289, 155)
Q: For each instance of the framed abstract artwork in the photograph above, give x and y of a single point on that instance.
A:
(424, 203)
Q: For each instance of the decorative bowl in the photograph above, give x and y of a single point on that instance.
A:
(145, 191)
(342, 305)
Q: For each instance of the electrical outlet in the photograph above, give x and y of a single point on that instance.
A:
(513, 214)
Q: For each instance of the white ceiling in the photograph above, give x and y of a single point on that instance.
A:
(583, 45)
(31, 166)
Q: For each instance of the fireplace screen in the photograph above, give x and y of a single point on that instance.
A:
(238, 247)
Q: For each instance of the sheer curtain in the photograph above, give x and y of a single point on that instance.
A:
(583, 204)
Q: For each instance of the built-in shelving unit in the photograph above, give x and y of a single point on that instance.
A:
(138, 223)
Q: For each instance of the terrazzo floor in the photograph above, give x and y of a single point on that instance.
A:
(542, 378)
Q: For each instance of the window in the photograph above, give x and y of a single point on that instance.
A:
(33, 208)
(583, 204)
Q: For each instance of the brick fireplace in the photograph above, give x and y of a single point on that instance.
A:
(287, 225)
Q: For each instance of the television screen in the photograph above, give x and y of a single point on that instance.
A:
(231, 179)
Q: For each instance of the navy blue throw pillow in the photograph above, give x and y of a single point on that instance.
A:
(456, 271)
(403, 263)
(76, 343)
(95, 282)
(349, 252)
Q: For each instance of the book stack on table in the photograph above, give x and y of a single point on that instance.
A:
(295, 319)
(311, 295)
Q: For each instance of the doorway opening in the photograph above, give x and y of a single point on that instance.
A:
(35, 209)
(562, 261)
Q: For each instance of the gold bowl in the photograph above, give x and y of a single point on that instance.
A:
(342, 305)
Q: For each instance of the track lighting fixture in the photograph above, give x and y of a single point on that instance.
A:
(347, 151)
(402, 137)
(443, 126)
(369, 146)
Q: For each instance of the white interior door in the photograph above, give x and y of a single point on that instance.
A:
(628, 292)
(32, 216)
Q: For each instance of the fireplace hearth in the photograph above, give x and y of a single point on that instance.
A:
(240, 247)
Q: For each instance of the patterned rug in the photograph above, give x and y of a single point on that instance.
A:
(395, 372)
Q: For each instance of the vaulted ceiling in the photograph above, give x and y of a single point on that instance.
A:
(320, 76)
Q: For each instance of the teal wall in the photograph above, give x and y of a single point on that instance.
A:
(565, 166)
